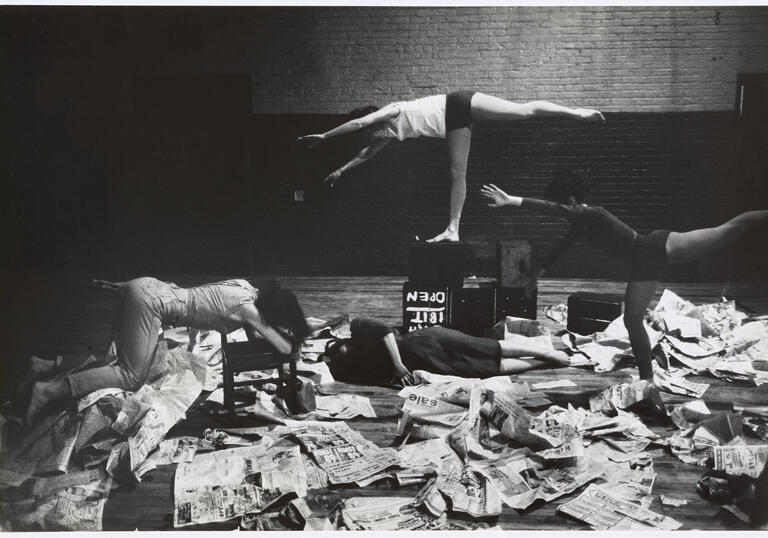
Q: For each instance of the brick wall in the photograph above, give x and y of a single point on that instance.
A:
(620, 59)
(105, 172)
(674, 171)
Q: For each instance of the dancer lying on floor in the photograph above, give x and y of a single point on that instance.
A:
(148, 304)
(647, 253)
(378, 352)
(441, 116)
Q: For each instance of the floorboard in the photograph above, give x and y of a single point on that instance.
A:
(76, 318)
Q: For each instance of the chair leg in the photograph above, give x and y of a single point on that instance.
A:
(229, 383)
(293, 381)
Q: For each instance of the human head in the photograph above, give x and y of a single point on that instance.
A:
(567, 187)
(280, 309)
(338, 356)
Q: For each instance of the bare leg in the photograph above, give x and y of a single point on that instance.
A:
(459, 141)
(515, 366)
(489, 108)
(637, 299)
(521, 346)
(686, 246)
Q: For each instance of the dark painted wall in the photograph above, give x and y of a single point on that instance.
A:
(160, 141)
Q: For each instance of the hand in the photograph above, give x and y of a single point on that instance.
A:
(587, 114)
(403, 376)
(497, 197)
(332, 178)
(313, 139)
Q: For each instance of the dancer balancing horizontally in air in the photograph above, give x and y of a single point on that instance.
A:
(441, 116)
(647, 253)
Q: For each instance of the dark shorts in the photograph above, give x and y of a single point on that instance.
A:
(649, 256)
(458, 109)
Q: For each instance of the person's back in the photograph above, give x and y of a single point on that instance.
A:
(210, 305)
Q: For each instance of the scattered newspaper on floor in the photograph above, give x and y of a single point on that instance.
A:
(740, 459)
(223, 485)
(344, 454)
(384, 514)
(603, 511)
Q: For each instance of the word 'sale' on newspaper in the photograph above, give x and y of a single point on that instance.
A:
(604, 511)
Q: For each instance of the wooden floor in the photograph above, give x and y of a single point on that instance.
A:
(76, 319)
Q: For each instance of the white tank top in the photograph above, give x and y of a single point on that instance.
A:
(420, 117)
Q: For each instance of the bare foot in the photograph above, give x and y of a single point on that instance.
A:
(44, 394)
(37, 368)
(447, 235)
(587, 114)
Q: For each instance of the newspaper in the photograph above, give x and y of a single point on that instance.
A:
(740, 459)
(625, 395)
(412, 428)
(511, 475)
(225, 484)
(678, 385)
(46, 485)
(469, 490)
(342, 452)
(701, 347)
(557, 384)
(383, 514)
(718, 318)
(500, 410)
(671, 303)
(344, 406)
(683, 326)
(603, 511)
(166, 402)
(424, 402)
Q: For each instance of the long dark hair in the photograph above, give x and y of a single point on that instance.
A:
(566, 187)
(280, 309)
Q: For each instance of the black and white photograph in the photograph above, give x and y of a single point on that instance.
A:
(386, 266)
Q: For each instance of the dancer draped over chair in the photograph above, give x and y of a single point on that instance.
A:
(147, 304)
(648, 254)
(377, 352)
(441, 116)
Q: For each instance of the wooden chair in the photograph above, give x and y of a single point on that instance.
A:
(257, 355)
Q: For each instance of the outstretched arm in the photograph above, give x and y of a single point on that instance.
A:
(402, 374)
(499, 198)
(366, 154)
(255, 327)
(383, 114)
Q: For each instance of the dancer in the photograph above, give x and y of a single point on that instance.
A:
(441, 116)
(147, 304)
(378, 352)
(648, 254)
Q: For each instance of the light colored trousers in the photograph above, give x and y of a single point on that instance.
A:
(145, 305)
